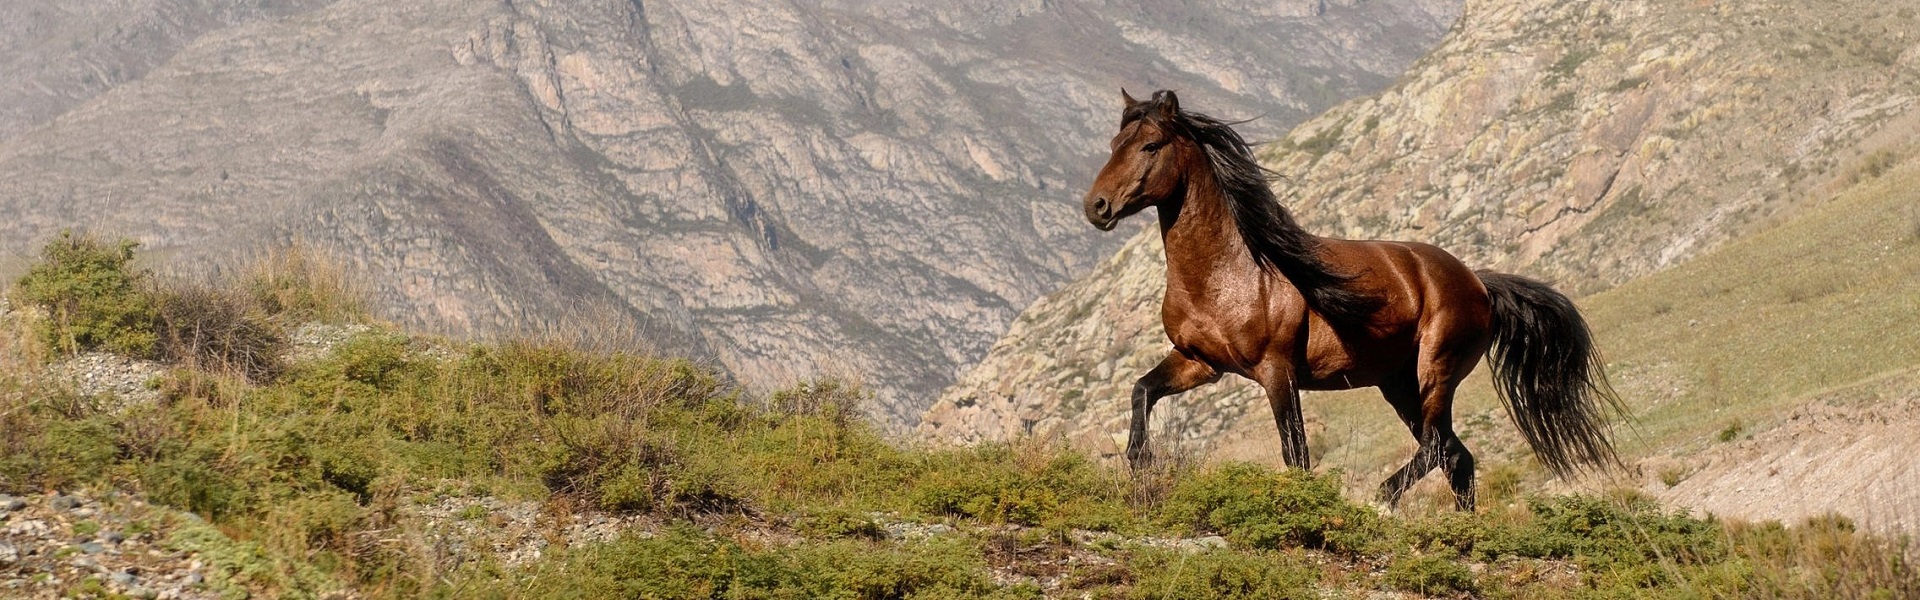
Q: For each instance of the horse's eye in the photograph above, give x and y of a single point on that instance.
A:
(1153, 147)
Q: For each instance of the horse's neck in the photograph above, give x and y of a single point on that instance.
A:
(1204, 250)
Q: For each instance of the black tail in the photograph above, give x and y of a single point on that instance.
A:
(1549, 376)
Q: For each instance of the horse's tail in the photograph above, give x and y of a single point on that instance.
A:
(1549, 375)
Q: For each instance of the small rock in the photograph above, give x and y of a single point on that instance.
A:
(65, 503)
(10, 503)
(92, 548)
(1212, 541)
(142, 593)
(8, 554)
(121, 578)
(195, 578)
(113, 537)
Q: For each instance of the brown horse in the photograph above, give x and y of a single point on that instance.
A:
(1250, 292)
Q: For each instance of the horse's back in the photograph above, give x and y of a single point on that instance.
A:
(1415, 276)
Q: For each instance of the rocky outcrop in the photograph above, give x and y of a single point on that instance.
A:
(867, 189)
(1585, 142)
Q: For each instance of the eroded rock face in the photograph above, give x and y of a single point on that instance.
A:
(1586, 142)
(863, 188)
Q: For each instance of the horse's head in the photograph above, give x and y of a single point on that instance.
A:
(1149, 162)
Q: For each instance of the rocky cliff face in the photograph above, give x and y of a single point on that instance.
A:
(869, 188)
(1586, 142)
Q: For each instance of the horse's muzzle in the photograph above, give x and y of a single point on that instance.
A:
(1100, 213)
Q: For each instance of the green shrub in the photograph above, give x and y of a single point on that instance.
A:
(839, 524)
(1260, 508)
(1630, 543)
(93, 298)
(1429, 574)
(1222, 575)
(1026, 484)
(685, 563)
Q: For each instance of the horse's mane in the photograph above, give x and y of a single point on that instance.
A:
(1277, 241)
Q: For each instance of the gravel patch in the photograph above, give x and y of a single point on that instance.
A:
(313, 341)
(105, 374)
(458, 529)
(57, 545)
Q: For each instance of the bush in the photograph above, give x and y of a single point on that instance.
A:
(1257, 507)
(212, 328)
(1028, 483)
(1429, 574)
(1222, 575)
(685, 563)
(93, 299)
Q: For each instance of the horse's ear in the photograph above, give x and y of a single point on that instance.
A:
(1126, 99)
(1169, 103)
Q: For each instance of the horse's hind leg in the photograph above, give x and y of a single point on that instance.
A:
(1176, 373)
(1427, 410)
(1404, 395)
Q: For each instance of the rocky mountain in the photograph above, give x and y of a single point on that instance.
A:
(867, 188)
(1585, 142)
(57, 54)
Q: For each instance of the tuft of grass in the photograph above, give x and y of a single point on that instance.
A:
(300, 284)
(1430, 574)
(1672, 476)
(1731, 432)
(1826, 557)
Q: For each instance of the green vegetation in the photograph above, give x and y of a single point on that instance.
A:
(291, 474)
(1322, 141)
(92, 299)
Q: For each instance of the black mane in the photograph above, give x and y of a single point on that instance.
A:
(1277, 241)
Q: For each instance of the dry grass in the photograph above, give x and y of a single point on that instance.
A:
(210, 327)
(299, 283)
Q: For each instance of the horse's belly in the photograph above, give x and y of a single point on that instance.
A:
(1334, 364)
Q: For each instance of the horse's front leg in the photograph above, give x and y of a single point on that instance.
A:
(1283, 395)
(1176, 373)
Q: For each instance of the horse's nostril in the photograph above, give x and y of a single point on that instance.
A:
(1100, 206)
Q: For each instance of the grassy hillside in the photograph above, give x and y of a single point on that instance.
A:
(312, 478)
(1823, 301)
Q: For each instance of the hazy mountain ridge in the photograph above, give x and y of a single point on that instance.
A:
(869, 188)
(1588, 143)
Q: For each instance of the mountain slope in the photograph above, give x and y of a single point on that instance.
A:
(1589, 143)
(60, 53)
(870, 188)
